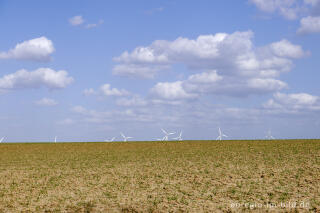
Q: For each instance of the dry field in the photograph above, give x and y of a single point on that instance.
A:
(190, 176)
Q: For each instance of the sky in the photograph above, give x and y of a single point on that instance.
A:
(88, 70)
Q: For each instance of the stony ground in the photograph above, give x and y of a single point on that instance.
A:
(189, 176)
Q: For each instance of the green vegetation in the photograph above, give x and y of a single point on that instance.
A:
(189, 176)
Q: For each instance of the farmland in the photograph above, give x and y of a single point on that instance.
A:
(188, 176)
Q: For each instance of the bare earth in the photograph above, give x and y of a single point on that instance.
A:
(189, 176)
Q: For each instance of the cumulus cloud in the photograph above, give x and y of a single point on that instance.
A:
(230, 63)
(290, 9)
(210, 83)
(229, 54)
(307, 11)
(293, 103)
(46, 102)
(38, 49)
(76, 20)
(205, 77)
(309, 24)
(106, 90)
(286, 49)
(42, 77)
(170, 91)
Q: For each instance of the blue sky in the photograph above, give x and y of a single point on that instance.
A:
(88, 70)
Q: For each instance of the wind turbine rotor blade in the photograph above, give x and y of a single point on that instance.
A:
(122, 135)
(164, 131)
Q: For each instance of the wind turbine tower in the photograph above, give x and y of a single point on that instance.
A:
(269, 136)
(179, 138)
(221, 135)
(124, 137)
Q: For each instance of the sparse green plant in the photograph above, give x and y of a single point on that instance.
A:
(192, 176)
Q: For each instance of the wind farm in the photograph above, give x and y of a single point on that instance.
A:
(185, 175)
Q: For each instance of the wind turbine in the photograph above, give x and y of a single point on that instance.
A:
(179, 138)
(269, 136)
(165, 138)
(124, 137)
(221, 135)
(1, 139)
(110, 139)
(160, 139)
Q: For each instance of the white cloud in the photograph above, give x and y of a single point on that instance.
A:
(142, 55)
(38, 49)
(89, 91)
(296, 99)
(170, 91)
(266, 84)
(205, 77)
(230, 64)
(133, 101)
(108, 91)
(46, 102)
(42, 77)
(211, 83)
(290, 9)
(309, 24)
(79, 20)
(229, 54)
(76, 20)
(284, 48)
(293, 103)
(307, 10)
